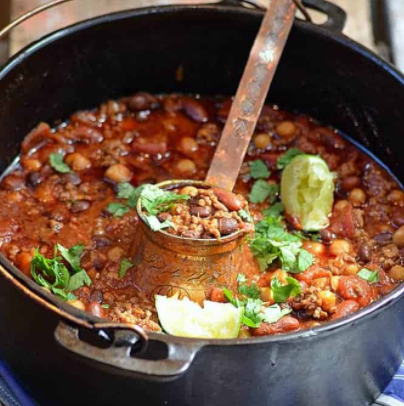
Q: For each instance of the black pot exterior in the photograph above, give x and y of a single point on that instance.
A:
(326, 76)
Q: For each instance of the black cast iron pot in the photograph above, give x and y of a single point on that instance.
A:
(323, 74)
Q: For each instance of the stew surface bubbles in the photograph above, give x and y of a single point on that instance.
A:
(68, 212)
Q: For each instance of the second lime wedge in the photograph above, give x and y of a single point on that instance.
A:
(307, 191)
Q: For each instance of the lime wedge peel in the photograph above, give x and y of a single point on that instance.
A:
(307, 191)
(184, 318)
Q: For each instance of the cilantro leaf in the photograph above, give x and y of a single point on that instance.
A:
(305, 260)
(72, 255)
(123, 267)
(253, 315)
(126, 190)
(241, 278)
(57, 163)
(285, 159)
(369, 276)
(261, 191)
(274, 211)
(117, 209)
(71, 296)
(281, 293)
(274, 313)
(259, 170)
(154, 223)
(245, 215)
(78, 280)
(251, 291)
(105, 306)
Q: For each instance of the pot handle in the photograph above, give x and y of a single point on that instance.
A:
(336, 16)
(118, 354)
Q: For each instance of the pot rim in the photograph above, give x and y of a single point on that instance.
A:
(46, 299)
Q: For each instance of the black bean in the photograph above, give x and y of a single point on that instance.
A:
(384, 238)
(72, 178)
(164, 217)
(96, 296)
(191, 234)
(79, 206)
(227, 225)
(101, 241)
(201, 211)
(142, 101)
(365, 252)
(327, 235)
(34, 178)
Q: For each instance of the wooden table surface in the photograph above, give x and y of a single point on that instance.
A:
(358, 27)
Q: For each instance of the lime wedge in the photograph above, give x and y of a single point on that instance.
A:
(184, 318)
(307, 191)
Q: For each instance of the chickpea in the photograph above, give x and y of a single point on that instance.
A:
(262, 141)
(78, 304)
(23, 262)
(398, 237)
(339, 247)
(340, 205)
(357, 197)
(186, 166)
(281, 275)
(328, 299)
(31, 165)
(266, 295)
(78, 162)
(351, 269)
(115, 254)
(334, 282)
(397, 273)
(189, 190)
(396, 197)
(118, 173)
(315, 248)
(188, 145)
(286, 129)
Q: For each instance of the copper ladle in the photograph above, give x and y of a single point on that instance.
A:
(168, 264)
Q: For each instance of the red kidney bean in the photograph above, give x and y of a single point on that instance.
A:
(96, 296)
(201, 211)
(34, 178)
(345, 308)
(150, 146)
(191, 234)
(227, 226)
(13, 182)
(37, 136)
(73, 178)
(229, 199)
(351, 182)
(193, 109)
(95, 309)
(365, 252)
(142, 101)
(352, 287)
(87, 134)
(79, 206)
(284, 325)
(164, 217)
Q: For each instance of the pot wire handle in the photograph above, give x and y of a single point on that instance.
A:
(26, 16)
(118, 355)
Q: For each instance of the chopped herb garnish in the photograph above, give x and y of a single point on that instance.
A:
(71, 296)
(369, 276)
(72, 255)
(241, 278)
(105, 306)
(251, 291)
(154, 223)
(262, 190)
(123, 267)
(272, 241)
(245, 215)
(259, 170)
(57, 163)
(285, 159)
(274, 211)
(53, 274)
(117, 209)
(281, 293)
(132, 194)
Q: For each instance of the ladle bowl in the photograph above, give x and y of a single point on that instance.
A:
(170, 265)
